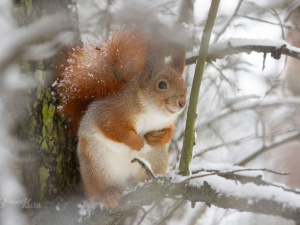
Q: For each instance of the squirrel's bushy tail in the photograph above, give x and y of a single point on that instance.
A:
(95, 71)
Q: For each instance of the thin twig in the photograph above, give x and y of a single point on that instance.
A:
(234, 142)
(171, 212)
(230, 82)
(235, 171)
(145, 167)
(218, 134)
(265, 148)
(197, 215)
(218, 35)
(250, 105)
(244, 139)
(280, 23)
(147, 213)
(264, 21)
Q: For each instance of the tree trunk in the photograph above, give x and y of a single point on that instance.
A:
(47, 164)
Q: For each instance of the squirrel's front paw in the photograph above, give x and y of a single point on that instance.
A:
(158, 138)
(138, 144)
(135, 142)
(111, 198)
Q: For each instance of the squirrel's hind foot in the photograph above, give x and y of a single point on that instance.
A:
(111, 198)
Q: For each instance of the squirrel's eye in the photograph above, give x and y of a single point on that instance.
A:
(162, 85)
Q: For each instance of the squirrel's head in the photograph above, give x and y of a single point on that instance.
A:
(163, 86)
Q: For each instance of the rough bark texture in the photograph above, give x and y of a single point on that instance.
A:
(47, 163)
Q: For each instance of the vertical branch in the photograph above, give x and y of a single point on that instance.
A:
(189, 137)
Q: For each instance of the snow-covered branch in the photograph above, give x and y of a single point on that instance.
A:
(19, 41)
(247, 197)
(225, 190)
(241, 45)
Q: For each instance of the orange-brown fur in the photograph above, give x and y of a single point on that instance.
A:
(95, 71)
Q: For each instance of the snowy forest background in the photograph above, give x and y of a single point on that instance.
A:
(248, 117)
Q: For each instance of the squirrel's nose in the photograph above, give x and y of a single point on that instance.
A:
(182, 103)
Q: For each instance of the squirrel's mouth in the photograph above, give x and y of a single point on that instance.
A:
(170, 111)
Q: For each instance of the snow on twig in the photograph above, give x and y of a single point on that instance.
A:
(243, 45)
(146, 166)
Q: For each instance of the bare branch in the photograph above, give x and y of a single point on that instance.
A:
(265, 21)
(232, 172)
(252, 137)
(168, 216)
(218, 35)
(234, 142)
(265, 148)
(249, 105)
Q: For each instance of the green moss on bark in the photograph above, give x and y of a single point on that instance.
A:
(49, 152)
(44, 175)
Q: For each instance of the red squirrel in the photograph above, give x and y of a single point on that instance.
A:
(125, 98)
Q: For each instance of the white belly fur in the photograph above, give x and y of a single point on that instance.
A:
(115, 158)
(153, 120)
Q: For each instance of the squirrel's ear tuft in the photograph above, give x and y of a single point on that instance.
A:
(177, 47)
(178, 58)
(156, 58)
(155, 61)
